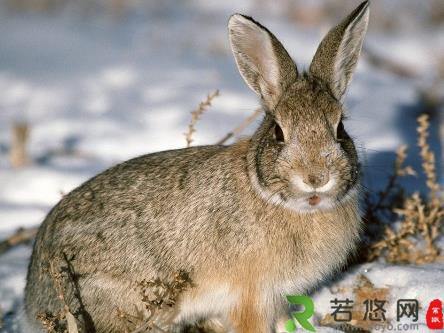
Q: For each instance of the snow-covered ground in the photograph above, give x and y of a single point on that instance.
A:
(110, 89)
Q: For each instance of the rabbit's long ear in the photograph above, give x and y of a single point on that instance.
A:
(262, 60)
(338, 53)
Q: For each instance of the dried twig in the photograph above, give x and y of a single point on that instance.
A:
(196, 114)
(157, 295)
(241, 127)
(54, 323)
(58, 284)
(18, 152)
(427, 156)
(21, 236)
(414, 240)
(50, 322)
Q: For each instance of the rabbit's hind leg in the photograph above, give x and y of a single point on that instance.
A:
(109, 304)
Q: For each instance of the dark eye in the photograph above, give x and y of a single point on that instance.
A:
(278, 133)
(340, 131)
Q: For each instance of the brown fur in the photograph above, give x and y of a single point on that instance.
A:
(234, 217)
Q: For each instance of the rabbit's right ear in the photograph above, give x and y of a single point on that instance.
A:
(338, 53)
(262, 60)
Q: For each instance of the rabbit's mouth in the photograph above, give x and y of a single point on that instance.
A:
(301, 198)
(311, 202)
(314, 200)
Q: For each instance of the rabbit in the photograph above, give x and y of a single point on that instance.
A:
(271, 215)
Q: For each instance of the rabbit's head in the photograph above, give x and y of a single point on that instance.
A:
(301, 155)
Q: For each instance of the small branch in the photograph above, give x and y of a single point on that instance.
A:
(57, 278)
(196, 114)
(427, 156)
(241, 127)
(21, 236)
(158, 294)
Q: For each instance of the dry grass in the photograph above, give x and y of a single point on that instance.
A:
(203, 107)
(63, 321)
(413, 239)
(158, 298)
(18, 154)
(241, 127)
(196, 114)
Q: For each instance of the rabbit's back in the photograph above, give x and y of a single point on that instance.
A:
(145, 218)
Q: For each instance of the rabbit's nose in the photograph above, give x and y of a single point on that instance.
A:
(316, 180)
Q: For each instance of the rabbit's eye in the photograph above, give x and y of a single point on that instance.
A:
(278, 133)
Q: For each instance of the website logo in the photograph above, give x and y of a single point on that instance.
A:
(301, 317)
(434, 317)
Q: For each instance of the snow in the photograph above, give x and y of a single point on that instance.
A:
(110, 89)
(423, 283)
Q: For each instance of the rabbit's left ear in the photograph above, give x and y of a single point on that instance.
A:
(262, 60)
(338, 53)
